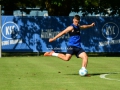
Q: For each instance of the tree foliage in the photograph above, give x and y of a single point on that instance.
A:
(64, 7)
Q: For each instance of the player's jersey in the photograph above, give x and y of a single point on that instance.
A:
(75, 39)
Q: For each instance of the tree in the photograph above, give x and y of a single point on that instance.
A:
(64, 7)
(9, 6)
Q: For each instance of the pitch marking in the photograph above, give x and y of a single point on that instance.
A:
(104, 77)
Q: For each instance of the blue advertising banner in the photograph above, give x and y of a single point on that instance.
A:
(31, 33)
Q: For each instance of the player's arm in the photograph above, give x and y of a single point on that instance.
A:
(68, 29)
(87, 26)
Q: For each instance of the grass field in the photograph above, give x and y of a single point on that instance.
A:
(51, 73)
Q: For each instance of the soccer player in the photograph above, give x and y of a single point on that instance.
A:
(74, 43)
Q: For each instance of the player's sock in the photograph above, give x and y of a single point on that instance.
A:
(83, 68)
(55, 54)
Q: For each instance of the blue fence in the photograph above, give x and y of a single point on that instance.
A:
(31, 34)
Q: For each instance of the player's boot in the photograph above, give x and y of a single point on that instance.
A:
(48, 53)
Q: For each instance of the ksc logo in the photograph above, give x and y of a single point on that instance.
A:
(110, 30)
(10, 30)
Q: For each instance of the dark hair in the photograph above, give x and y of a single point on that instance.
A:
(77, 17)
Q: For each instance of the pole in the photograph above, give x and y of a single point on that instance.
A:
(0, 35)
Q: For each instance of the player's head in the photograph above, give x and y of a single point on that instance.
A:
(76, 19)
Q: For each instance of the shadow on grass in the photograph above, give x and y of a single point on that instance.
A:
(94, 74)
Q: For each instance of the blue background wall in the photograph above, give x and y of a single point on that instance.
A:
(31, 34)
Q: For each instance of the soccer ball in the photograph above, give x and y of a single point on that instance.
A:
(83, 72)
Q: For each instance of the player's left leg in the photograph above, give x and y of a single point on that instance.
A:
(84, 58)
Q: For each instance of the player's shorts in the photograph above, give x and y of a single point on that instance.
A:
(74, 51)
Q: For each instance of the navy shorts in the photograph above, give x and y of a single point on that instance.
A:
(74, 51)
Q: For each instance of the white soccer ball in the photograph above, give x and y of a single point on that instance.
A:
(83, 72)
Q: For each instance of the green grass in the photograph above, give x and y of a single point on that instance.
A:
(52, 73)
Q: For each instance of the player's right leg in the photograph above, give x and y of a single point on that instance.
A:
(65, 57)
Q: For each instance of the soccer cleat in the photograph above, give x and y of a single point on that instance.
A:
(48, 53)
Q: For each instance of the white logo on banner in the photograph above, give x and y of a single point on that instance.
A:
(11, 30)
(110, 30)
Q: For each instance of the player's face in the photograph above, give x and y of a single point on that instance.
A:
(75, 21)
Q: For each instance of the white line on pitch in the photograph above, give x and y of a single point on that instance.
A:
(104, 77)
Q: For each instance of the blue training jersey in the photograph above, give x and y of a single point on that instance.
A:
(75, 39)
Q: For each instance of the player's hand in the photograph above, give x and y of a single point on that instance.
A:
(93, 24)
(52, 39)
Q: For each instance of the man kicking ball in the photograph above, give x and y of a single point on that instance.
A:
(74, 43)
